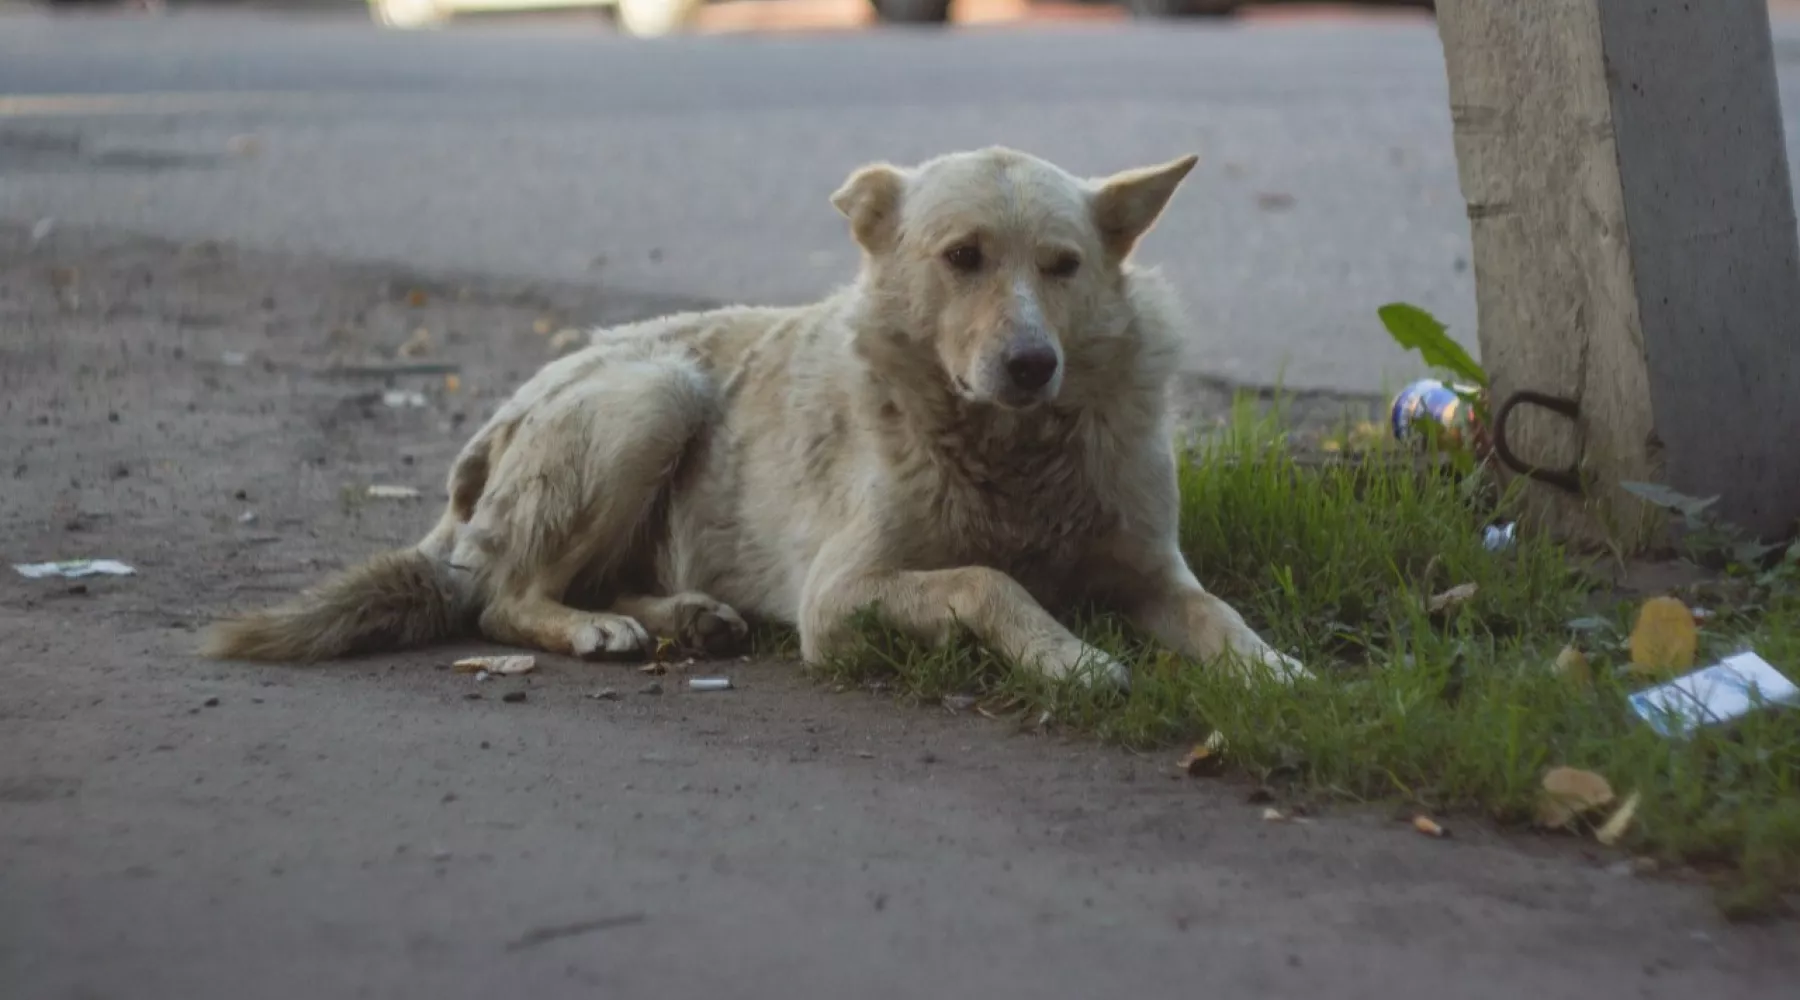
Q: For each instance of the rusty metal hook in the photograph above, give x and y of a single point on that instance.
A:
(1568, 480)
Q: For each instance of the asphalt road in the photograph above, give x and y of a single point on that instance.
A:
(701, 166)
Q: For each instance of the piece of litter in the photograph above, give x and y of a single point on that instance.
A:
(1664, 639)
(401, 399)
(709, 684)
(1499, 537)
(505, 666)
(247, 517)
(453, 383)
(42, 229)
(1428, 826)
(1568, 793)
(513, 697)
(393, 493)
(234, 359)
(604, 694)
(1273, 815)
(1451, 598)
(1620, 821)
(482, 675)
(654, 668)
(1722, 692)
(74, 568)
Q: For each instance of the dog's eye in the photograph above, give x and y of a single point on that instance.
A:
(1064, 266)
(965, 257)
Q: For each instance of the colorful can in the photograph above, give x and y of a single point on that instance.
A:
(1430, 403)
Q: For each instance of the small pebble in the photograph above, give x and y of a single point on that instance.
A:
(211, 703)
(513, 697)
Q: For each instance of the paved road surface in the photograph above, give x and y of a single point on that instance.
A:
(701, 166)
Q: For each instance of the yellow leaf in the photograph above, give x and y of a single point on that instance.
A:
(1205, 757)
(1615, 827)
(415, 298)
(1664, 639)
(1569, 792)
(1573, 667)
(452, 383)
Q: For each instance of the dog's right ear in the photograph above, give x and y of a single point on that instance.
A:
(870, 199)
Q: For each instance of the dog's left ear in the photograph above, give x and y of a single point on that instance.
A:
(870, 199)
(1127, 204)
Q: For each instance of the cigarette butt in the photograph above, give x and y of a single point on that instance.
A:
(709, 684)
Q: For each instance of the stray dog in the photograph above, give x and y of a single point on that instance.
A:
(974, 434)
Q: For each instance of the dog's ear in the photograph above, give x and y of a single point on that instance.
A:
(1126, 204)
(870, 199)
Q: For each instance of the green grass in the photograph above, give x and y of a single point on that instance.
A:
(1458, 713)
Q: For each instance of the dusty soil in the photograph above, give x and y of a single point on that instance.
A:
(171, 827)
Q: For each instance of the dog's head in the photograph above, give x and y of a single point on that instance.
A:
(1001, 261)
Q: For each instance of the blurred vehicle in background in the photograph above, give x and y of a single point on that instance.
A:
(661, 17)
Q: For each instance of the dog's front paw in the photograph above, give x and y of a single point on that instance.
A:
(1081, 662)
(1272, 664)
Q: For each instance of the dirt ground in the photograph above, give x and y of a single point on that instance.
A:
(171, 827)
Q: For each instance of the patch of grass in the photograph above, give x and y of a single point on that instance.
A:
(1460, 712)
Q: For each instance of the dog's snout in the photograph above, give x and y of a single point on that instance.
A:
(1031, 367)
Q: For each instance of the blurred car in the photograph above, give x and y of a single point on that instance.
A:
(662, 17)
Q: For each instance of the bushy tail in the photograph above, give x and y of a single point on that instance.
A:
(395, 600)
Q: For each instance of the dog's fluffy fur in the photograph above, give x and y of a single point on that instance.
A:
(974, 433)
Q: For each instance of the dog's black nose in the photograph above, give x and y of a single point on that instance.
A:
(1031, 368)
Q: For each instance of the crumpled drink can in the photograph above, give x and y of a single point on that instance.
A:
(1430, 403)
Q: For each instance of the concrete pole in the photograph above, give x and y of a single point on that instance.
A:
(1634, 250)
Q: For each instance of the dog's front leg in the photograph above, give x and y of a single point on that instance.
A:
(928, 605)
(1182, 615)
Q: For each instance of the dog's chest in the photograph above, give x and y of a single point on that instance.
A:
(1029, 508)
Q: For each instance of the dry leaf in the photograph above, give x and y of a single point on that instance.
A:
(1572, 666)
(1616, 825)
(452, 383)
(1664, 639)
(565, 341)
(664, 647)
(418, 345)
(415, 298)
(1568, 793)
(393, 493)
(501, 665)
(1451, 598)
(1428, 826)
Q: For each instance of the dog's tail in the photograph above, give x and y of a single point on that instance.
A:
(395, 600)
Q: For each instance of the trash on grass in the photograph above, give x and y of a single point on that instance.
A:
(1727, 690)
(402, 399)
(1428, 826)
(1620, 821)
(709, 683)
(74, 568)
(1570, 792)
(502, 665)
(1456, 595)
(1500, 537)
(1432, 407)
(393, 493)
(1664, 639)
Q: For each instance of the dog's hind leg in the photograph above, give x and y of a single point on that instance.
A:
(570, 494)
